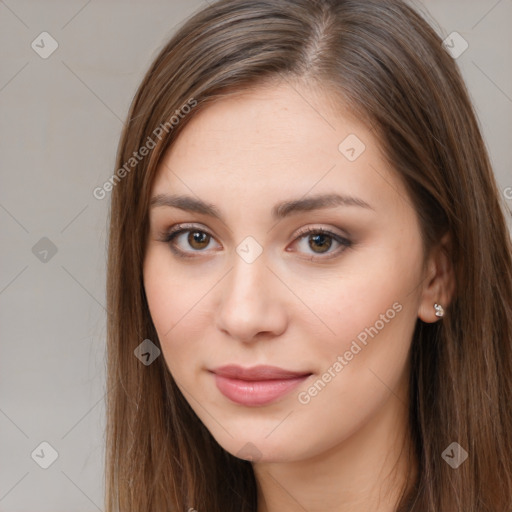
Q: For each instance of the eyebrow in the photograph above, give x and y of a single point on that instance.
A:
(279, 211)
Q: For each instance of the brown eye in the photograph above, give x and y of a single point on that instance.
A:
(320, 242)
(185, 240)
(188, 242)
(198, 239)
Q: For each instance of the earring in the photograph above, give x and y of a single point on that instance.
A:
(439, 310)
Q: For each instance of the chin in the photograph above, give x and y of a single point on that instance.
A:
(257, 449)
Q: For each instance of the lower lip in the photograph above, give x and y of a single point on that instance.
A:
(254, 393)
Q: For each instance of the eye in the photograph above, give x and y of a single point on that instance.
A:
(319, 241)
(184, 240)
(196, 239)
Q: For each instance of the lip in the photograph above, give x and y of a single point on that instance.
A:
(258, 385)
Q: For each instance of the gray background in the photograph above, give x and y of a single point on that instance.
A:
(61, 118)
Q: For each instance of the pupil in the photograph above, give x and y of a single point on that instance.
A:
(320, 240)
(197, 238)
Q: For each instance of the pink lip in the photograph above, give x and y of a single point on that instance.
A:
(258, 385)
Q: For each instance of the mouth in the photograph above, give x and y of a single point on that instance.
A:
(256, 386)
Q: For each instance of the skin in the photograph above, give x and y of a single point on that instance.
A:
(245, 153)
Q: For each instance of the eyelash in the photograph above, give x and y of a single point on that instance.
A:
(303, 233)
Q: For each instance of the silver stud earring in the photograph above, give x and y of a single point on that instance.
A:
(439, 310)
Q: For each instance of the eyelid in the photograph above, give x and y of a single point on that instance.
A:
(302, 231)
(319, 229)
(187, 226)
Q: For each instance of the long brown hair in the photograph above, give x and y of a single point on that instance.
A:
(384, 61)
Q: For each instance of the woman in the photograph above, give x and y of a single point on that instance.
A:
(309, 277)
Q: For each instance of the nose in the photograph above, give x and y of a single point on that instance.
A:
(251, 306)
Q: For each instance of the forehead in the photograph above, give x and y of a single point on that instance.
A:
(266, 122)
(274, 141)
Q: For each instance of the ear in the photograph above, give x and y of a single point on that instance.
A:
(439, 282)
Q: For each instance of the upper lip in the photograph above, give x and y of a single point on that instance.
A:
(257, 373)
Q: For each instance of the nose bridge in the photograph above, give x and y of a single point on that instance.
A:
(246, 286)
(249, 303)
(249, 273)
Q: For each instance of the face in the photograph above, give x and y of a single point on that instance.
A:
(294, 246)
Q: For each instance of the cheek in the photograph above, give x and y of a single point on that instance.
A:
(177, 304)
(348, 308)
(166, 294)
(170, 293)
(363, 364)
(368, 310)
